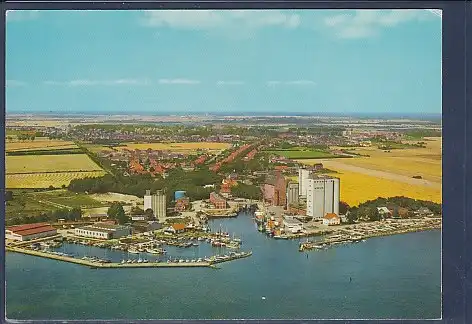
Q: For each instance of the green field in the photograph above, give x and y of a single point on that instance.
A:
(303, 154)
(29, 203)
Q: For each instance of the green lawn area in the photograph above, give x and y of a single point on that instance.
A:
(303, 154)
(30, 203)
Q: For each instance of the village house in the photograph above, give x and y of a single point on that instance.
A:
(331, 219)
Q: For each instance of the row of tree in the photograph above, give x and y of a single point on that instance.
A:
(368, 210)
(51, 217)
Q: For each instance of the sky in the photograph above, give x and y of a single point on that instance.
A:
(188, 61)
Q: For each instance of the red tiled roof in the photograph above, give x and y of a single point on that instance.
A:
(331, 216)
(178, 227)
(25, 230)
(25, 226)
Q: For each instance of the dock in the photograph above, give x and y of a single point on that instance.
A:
(114, 265)
(343, 239)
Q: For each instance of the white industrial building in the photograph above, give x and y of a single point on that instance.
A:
(292, 225)
(322, 196)
(292, 193)
(29, 231)
(303, 176)
(157, 203)
(103, 231)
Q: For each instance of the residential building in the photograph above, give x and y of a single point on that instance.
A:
(292, 193)
(384, 212)
(157, 203)
(175, 228)
(182, 204)
(331, 219)
(218, 201)
(103, 231)
(29, 231)
(292, 225)
(322, 196)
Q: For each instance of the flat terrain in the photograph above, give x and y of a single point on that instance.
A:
(38, 144)
(110, 197)
(302, 154)
(50, 163)
(387, 174)
(178, 147)
(28, 203)
(44, 180)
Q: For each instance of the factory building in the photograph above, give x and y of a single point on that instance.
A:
(303, 176)
(322, 196)
(29, 231)
(292, 193)
(103, 231)
(157, 203)
(275, 189)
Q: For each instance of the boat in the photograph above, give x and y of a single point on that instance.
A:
(145, 261)
(133, 251)
(140, 260)
(123, 261)
(195, 244)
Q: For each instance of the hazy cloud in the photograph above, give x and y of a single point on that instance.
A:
(211, 19)
(229, 82)
(15, 83)
(294, 83)
(86, 82)
(178, 81)
(366, 22)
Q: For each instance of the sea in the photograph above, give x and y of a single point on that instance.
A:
(394, 277)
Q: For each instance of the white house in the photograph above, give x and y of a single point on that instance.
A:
(331, 219)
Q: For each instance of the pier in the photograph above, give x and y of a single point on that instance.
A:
(93, 264)
(343, 239)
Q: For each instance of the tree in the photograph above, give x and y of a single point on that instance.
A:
(136, 211)
(149, 214)
(117, 212)
(343, 208)
(8, 195)
(74, 214)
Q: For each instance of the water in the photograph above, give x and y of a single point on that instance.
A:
(392, 277)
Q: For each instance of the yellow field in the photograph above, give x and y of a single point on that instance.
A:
(42, 144)
(44, 180)
(178, 147)
(50, 163)
(386, 174)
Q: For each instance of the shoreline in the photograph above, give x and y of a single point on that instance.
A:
(327, 242)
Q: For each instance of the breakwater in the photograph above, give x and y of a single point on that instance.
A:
(108, 265)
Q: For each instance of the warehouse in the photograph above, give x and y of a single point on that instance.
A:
(29, 231)
(103, 231)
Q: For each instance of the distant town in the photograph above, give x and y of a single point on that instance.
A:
(145, 183)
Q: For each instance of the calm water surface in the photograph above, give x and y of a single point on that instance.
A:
(392, 277)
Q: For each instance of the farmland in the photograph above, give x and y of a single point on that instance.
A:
(178, 147)
(302, 154)
(50, 163)
(41, 144)
(425, 162)
(44, 180)
(387, 174)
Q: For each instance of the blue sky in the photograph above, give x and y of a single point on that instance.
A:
(332, 61)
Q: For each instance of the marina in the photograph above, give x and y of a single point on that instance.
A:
(95, 262)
